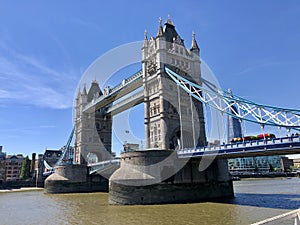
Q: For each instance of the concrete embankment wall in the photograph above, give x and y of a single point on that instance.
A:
(156, 177)
(20, 184)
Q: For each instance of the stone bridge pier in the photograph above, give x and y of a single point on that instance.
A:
(158, 177)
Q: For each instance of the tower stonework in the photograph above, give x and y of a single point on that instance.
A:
(173, 120)
(93, 129)
(165, 104)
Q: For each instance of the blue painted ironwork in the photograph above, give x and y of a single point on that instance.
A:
(239, 107)
(65, 158)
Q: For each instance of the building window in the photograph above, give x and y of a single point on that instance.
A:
(154, 109)
(159, 134)
(176, 49)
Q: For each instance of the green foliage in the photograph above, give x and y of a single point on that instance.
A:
(293, 167)
(25, 171)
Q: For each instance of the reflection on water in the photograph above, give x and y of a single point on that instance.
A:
(255, 200)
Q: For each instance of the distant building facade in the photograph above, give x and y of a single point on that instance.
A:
(39, 168)
(296, 163)
(286, 164)
(13, 165)
(262, 164)
(52, 156)
(128, 147)
(2, 165)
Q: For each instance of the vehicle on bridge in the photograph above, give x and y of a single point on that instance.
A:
(253, 137)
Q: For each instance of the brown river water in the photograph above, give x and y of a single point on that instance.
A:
(255, 200)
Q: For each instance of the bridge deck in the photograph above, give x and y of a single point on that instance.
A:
(276, 146)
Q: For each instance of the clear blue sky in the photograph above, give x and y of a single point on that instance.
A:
(45, 46)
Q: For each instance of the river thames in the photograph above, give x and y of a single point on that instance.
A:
(255, 200)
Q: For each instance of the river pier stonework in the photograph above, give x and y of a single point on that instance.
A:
(158, 177)
(74, 178)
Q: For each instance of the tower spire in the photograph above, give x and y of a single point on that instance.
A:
(78, 93)
(84, 92)
(169, 20)
(145, 45)
(194, 42)
(160, 29)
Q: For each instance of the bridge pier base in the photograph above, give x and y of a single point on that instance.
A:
(74, 178)
(159, 177)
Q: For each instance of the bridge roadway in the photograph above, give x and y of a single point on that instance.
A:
(124, 88)
(275, 146)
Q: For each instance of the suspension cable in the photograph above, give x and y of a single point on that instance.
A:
(263, 131)
(193, 124)
(243, 129)
(180, 116)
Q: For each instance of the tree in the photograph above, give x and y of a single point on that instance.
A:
(25, 171)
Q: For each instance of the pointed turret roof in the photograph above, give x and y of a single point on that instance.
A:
(194, 42)
(84, 92)
(160, 29)
(78, 93)
(169, 21)
(169, 30)
(94, 90)
(145, 39)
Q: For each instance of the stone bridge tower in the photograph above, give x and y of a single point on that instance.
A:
(93, 129)
(165, 103)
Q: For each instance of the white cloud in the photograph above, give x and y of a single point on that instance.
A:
(29, 80)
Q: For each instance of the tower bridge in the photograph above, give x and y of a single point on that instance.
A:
(170, 85)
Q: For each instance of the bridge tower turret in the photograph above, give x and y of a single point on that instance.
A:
(166, 104)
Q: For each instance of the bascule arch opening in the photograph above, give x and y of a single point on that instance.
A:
(128, 126)
(125, 108)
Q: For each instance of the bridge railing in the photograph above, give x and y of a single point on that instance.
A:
(251, 143)
(105, 163)
(293, 217)
(99, 166)
(126, 81)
